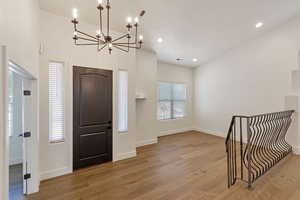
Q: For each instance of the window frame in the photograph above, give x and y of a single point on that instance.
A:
(172, 118)
(53, 142)
(118, 96)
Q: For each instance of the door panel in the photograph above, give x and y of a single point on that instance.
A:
(92, 116)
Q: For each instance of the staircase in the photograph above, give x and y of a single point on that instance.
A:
(254, 144)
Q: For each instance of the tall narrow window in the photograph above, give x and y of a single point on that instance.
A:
(171, 101)
(56, 102)
(123, 101)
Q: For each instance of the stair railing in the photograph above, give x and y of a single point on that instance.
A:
(251, 155)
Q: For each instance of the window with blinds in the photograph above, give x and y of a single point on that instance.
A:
(171, 101)
(56, 102)
(122, 101)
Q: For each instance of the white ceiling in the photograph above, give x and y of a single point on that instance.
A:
(202, 29)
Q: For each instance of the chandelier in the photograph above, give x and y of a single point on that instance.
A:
(102, 40)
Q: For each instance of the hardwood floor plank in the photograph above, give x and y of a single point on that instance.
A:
(186, 166)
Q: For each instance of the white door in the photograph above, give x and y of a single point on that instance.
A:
(15, 119)
(27, 133)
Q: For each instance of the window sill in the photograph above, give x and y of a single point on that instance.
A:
(170, 120)
(57, 142)
(123, 132)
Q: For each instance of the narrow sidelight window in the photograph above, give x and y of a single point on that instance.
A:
(122, 101)
(56, 102)
(171, 101)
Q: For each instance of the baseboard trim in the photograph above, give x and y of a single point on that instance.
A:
(210, 132)
(55, 173)
(123, 156)
(171, 132)
(296, 150)
(146, 142)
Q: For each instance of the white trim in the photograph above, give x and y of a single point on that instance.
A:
(146, 142)
(170, 132)
(296, 150)
(4, 145)
(55, 173)
(210, 132)
(127, 155)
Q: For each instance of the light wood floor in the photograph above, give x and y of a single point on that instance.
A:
(187, 166)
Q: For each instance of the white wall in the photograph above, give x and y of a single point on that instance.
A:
(19, 32)
(177, 74)
(146, 122)
(56, 159)
(251, 79)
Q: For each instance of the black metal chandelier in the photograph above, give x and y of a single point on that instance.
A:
(102, 40)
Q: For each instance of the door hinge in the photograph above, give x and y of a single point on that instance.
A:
(27, 134)
(27, 92)
(27, 176)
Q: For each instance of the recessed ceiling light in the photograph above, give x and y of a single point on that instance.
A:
(160, 40)
(195, 59)
(259, 24)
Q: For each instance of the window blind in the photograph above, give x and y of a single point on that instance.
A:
(171, 101)
(122, 101)
(56, 102)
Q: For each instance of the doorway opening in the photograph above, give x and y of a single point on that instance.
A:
(19, 131)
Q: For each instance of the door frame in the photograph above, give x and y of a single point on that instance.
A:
(33, 185)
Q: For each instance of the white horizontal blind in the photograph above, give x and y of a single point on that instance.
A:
(122, 101)
(171, 101)
(56, 102)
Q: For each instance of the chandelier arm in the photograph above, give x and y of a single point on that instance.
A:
(86, 34)
(75, 26)
(102, 47)
(132, 47)
(84, 44)
(108, 8)
(87, 39)
(124, 43)
(128, 41)
(121, 49)
(100, 20)
(119, 38)
(136, 32)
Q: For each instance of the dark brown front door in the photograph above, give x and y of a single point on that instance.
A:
(92, 101)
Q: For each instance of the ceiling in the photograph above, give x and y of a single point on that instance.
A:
(202, 29)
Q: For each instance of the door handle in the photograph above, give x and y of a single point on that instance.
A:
(21, 135)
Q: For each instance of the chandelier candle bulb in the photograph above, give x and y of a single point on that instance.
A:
(75, 13)
(141, 38)
(129, 20)
(100, 2)
(98, 33)
(136, 20)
